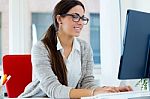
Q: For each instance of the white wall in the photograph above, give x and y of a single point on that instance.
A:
(5, 16)
(19, 31)
(110, 41)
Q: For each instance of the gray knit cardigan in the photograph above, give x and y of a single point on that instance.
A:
(44, 81)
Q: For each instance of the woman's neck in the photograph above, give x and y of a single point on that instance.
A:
(66, 41)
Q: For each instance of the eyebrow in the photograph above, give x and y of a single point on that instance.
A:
(78, 14)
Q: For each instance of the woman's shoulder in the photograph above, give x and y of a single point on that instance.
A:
(39, 46)
(83, 43)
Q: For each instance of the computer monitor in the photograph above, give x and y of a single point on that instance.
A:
(135, 59)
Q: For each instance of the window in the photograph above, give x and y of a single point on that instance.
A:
(42, 21)
(95, 36)
(0, 40)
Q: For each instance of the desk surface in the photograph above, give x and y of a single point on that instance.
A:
(122, 95)
(144, 97)
(26, 98)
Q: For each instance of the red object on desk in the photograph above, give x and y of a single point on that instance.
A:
(20, 69)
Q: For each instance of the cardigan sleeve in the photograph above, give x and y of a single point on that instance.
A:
(88, 79)
(49, 83)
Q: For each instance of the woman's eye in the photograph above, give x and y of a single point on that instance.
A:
(75, 16)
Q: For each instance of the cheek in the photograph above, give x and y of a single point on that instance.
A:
(68, 28)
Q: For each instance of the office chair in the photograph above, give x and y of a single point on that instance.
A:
(19, 67)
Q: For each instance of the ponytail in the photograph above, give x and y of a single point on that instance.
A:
(57, 63)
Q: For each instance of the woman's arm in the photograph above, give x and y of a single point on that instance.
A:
(78, 93)
(88, 63)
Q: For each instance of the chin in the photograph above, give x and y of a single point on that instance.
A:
(77, 35)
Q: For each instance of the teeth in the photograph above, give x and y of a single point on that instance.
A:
(77, 28)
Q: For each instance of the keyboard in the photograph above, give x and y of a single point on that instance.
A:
(122, 95)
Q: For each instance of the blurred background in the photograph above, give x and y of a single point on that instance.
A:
(23, 22)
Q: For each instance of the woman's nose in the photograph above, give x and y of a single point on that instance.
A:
(80, 22)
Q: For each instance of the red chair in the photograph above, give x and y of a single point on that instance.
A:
(19, 67)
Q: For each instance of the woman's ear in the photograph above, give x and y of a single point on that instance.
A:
(58, 17)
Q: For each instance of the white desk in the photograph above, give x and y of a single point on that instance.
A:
(26, 98)
(122, 95)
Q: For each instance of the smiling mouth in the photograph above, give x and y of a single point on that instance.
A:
(77, 28)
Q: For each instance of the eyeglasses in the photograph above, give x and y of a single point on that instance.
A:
(76, 17)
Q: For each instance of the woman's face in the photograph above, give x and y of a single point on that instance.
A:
(70, 24)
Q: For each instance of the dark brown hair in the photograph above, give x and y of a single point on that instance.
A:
(50, 40)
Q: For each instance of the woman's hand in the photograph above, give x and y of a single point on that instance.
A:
(125, 88)
(109, 89)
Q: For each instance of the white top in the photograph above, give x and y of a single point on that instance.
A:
(73, 62)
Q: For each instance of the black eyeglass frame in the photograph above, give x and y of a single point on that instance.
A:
(76, 17)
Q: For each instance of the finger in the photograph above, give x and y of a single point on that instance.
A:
(121, 89)
(116, 89)
(130, 88)
(111, 89)
(125, 88)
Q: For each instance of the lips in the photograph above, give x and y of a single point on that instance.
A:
(77, 29)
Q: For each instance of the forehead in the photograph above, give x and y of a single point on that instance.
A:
(77, 9)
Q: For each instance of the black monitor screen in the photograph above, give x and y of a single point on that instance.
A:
(135, 56)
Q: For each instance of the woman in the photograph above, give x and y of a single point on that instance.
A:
(62, 63)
